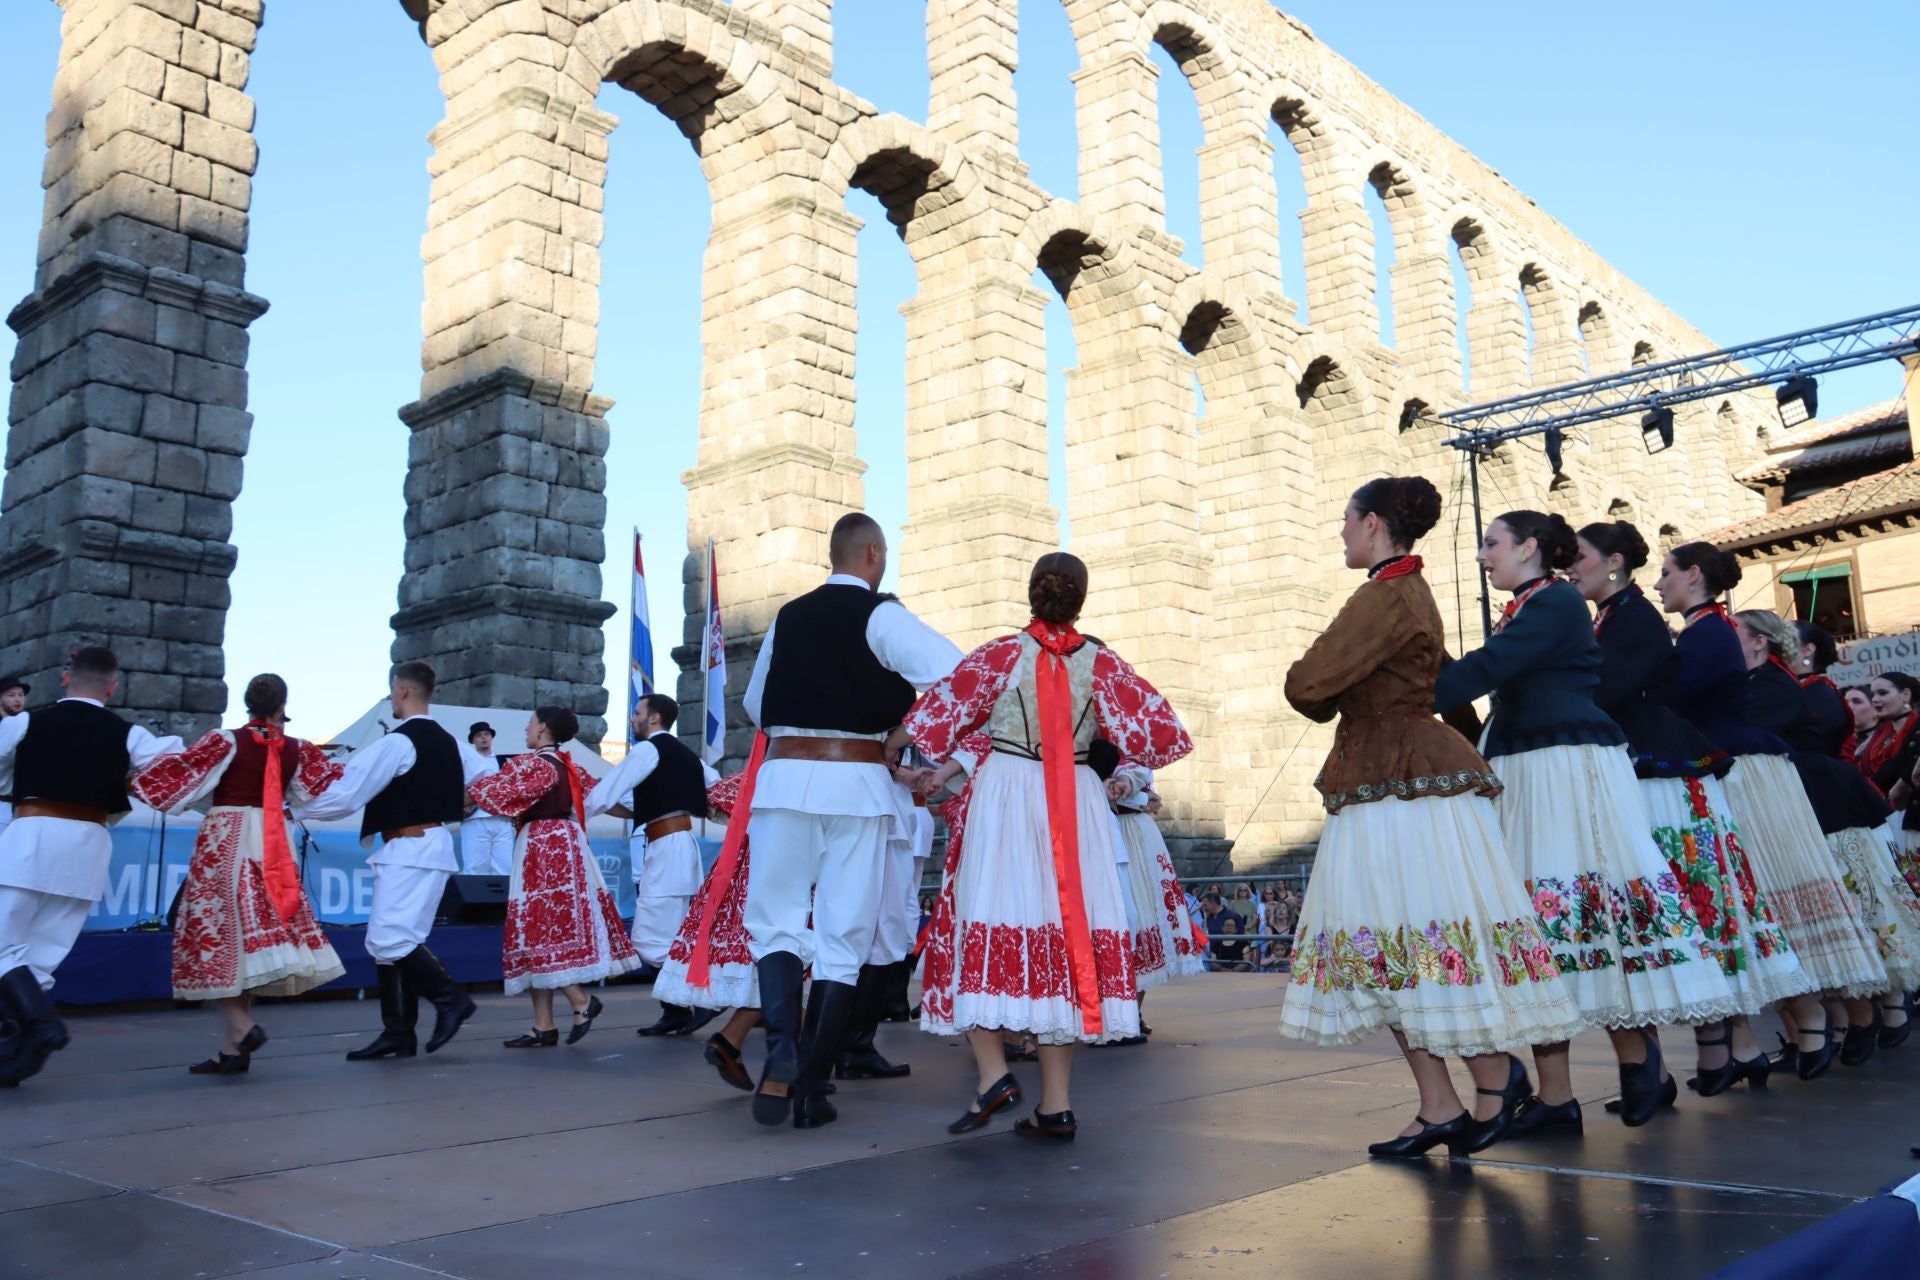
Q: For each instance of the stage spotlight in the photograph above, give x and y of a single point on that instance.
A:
(1798, 399)
(1555, 438)
(1658, 422)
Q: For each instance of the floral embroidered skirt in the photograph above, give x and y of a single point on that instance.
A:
(229, 938)
(1906, 850)
(996, 954)
(1631, 950)
(562, 925)
(1163, 946)
(1414, 918)
(1693, 825)
(1886, 903)
(1801, 879)
(732, 982)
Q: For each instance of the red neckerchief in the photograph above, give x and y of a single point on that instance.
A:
(1055, 695)
(1398, 567)
(1711, 608)
(1776, 661)
(276, 855)
(1605, 608)
(1519, 601)
(1816, 678)
(1885, 743)
(699, 964)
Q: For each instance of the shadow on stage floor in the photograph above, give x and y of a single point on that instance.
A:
(1216, 1151)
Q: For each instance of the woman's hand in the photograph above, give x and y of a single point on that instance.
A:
(938, 779)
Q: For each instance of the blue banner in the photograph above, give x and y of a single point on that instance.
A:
(150, 864)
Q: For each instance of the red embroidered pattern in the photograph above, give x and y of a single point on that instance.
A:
(950, 711)
(558, 921)
(315, 773)
(1173, 900)
(169, 780)
(1149, 952)
(1133, 716)
(227, 916)
(521, 782)
(1030, 962)
(729, 942)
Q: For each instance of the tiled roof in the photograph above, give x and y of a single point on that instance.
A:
(1894, 492)
(1875, 431)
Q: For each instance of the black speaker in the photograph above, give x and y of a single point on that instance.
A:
(474, 900)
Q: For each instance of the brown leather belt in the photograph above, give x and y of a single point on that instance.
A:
(662, 827)
(405, 833)
(838, 750)
(60, 809)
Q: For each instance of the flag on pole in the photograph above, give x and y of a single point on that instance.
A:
(713, 662)
(640, 677)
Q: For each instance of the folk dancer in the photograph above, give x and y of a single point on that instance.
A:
(662, 786)
(67, 768)
(13, 702)
(486, 839)
(836, 671)
(245, 927)
(412, 784)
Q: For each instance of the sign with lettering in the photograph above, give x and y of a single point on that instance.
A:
(1862, 660)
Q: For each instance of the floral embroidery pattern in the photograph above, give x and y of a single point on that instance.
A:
(176, 778)
(1908, 860)
(1444, 784)
(1402, 957)
(1714, 880)
(1593, 925)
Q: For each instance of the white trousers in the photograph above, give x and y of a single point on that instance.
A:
(830, 865)
(37, 930)
(899, 909)
(404, 902)
(486, 846)
(656, 920)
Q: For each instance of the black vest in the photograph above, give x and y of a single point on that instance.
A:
(822, 674)
(434, 790)
(676, 783)
(75, 752)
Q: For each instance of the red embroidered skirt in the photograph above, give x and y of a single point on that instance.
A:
(731, 979)
(229, 939)
(562, 925)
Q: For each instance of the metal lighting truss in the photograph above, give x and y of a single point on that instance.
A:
(1650, 388)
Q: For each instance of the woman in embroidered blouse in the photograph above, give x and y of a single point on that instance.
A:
(1631, 948)
(1414, 919)
(1892, 695)
(1792, 864)
(1680, 771)
(1852, 815)
(1030, 932)
(563, 928)
(245, 927)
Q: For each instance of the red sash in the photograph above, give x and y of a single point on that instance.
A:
(1054, 688)
(276, 861)
(699, 964)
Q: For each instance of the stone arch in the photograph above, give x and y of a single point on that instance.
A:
(931, 193)
(1596, 335)
(1213, 323)
(1643, 354)
(1556, 351)
(1203, 56)
(1495, 327)
(1095, 273)
(1338, 284)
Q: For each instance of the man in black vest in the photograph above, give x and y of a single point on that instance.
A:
(837, 670)
(413, 785)
(662, 786)
(68, 767)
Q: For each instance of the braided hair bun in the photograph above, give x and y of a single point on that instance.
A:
(1618, 538)
(1559, 548)
(1408, 505)
(1719, 570)
(1057, 590)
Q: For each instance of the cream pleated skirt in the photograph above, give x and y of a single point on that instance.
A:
(1885, 902)
(1164, 946)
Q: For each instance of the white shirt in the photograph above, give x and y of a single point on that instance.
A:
(1139, 788)
(617, 787)
(63, 855)
(368, 772)
(905, 646)
(669, 867)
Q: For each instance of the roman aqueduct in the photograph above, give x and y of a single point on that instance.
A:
(1211, 539)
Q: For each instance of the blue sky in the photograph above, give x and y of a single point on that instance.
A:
(1746, 163)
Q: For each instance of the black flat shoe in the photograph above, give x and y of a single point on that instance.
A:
(252, 1041)
(724, 1058)
(1457, 1133)
(1860, 1042)
(1644, 1086)
(1004, 1093)
(1537, 1118)
(583, 1019)
(1518, 1089)
(534, 1039)
(1060, 1126)
(227, 1064)
(1787, 1056)
(1811, 1066)
(1894, 1037)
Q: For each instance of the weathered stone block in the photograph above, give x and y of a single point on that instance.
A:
(179, 329)
(223, 429)
(160, 510)
(153, 689)
(208, 697)
(183, 468)
(162, 586)
(223, 475)
(124, 362)
(185, 622)
(206, 382)
(209, 591)
(114, 455)
(209, 518)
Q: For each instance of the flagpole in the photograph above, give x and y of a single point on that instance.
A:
(633, 619)
(706, 659)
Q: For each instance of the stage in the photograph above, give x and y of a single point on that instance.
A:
(1216, 1151)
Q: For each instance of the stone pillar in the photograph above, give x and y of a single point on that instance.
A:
(977, 510)
(1338, 256)
(805, 26)
(128, 418)
(1239, 210)
(973, 47)
(1118, 114)
(506, 473)
(1423, 320)
(1496, 337)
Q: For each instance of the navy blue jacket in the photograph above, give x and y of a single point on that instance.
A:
(1542, 671)
(1841, 797)
(1636, 663)
(1709, 690)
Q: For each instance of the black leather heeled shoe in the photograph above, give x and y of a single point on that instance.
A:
(226, 1064)
(1537, 1118)
(534, 1039)
(1643, 1088)
(1754, 1070)
(583, 1019)
(1060, 1126)
(1669, 1095)
(1811, 1066)
(1497, 1126)
(1456, 1133)
(1894, 1037)
(1787, 1056)
(253, 1041)
(1710, 1082)
(1004, 1093)
(1859, 1042)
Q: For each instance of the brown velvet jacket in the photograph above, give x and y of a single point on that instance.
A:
(1375, 668)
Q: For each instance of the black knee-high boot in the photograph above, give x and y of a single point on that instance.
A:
(859, 1060)
(829, 1006)
(779, 974)
(451, 1004)
(39, 1031)
(396, 1038)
